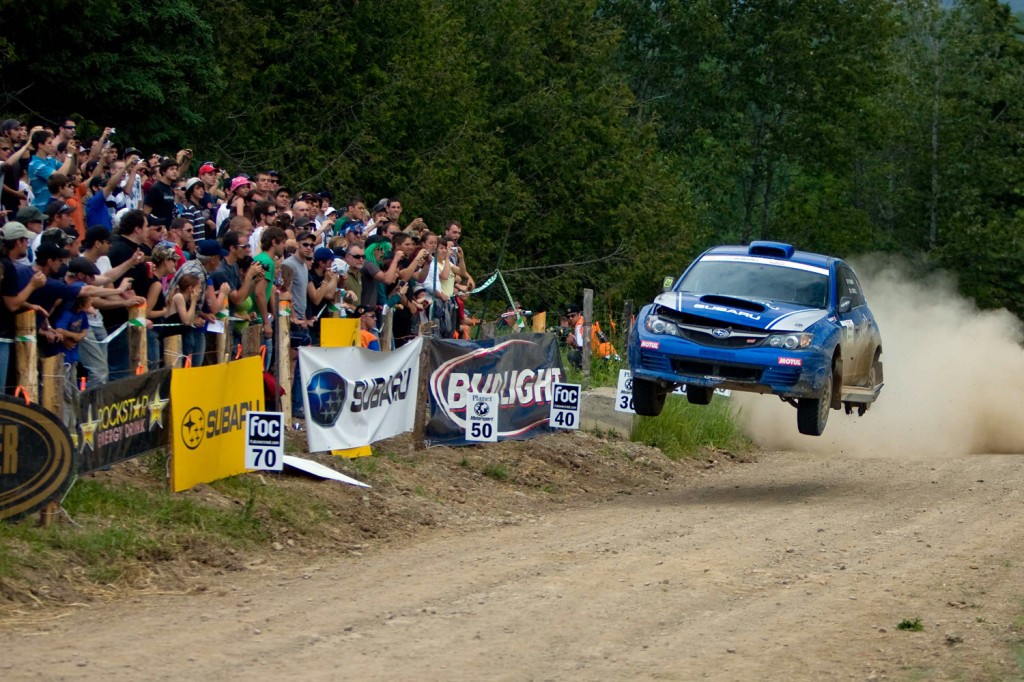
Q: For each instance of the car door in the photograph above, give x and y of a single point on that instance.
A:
(856, 322)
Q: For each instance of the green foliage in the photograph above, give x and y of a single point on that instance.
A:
(496, 470)
(129, 63)
(601, 143)
(682, 429)
(912, 625)
(150, 526)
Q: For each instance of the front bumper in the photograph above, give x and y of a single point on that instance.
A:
(670, 360)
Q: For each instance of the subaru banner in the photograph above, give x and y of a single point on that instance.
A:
(354, 396)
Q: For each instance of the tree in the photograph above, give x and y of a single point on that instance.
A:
(118, 62)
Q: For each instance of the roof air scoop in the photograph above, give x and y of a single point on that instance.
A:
(771, 249)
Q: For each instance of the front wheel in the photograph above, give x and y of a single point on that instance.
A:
(812, 413)
(648, 397)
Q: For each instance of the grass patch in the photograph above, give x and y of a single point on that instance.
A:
(496, 470)
(682, 429)
(118, 526)
(911, 625)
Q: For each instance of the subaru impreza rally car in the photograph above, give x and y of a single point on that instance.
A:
(763, 318)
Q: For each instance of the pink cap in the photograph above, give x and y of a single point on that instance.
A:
(238, 182)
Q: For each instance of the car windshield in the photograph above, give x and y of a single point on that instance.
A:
(752, 280)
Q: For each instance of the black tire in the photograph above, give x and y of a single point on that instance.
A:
(812, 413)
(699, 395)
(648, 397)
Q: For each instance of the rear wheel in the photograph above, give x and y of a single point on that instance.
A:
(812, 413)
(648, 397)
(699, 395)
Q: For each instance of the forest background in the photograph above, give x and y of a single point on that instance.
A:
(599, 143)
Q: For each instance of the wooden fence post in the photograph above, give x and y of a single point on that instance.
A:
(419, 427)
(172, 351)
(220, 344)
(627, 329)
(26, 354)
(53, 385)
(284, 358)
(386, 330)
(588, 311)
(137, 338)
(540, 322)
(251, 340)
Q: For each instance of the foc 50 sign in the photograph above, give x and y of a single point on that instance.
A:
(36, 458)
(209, 405)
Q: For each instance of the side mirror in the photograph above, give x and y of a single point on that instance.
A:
(845, 304)
(666, 284)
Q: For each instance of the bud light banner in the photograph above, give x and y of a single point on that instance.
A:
(520, 369)
(354, 396)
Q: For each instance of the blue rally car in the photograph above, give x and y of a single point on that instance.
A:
(765, 319)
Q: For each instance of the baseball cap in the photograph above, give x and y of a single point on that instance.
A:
(325, 194)
(301, 222)
(210, 247)
(82, 265)
(380, 206)
(192, 182)
(15, 230)
(571, 308)
(55, 208)
(323, 253)
(29, 214)
(239, 181)
(48, 251)
(55, 235)
(362, 310)
(207, 167)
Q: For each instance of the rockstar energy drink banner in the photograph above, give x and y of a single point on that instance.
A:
(208, 422)
(123, 419)
(36, 458)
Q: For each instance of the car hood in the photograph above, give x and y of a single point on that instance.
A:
(758, 313)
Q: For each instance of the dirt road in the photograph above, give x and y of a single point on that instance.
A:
(797, 567)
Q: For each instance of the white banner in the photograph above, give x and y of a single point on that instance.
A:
(354, 397)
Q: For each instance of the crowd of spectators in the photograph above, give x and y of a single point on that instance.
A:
(91, 229)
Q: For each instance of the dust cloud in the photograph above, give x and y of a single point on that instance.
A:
(954, 378)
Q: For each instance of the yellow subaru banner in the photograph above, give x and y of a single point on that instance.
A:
(208, 407)
(336, 332)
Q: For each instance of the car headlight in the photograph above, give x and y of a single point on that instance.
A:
(790, 341)
(659, 325)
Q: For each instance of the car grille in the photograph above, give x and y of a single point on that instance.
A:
(781, 376)
(656, 362)
(705, 338)
(701, 330)
(713, 369)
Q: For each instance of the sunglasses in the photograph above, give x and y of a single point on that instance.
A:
(359, 257)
